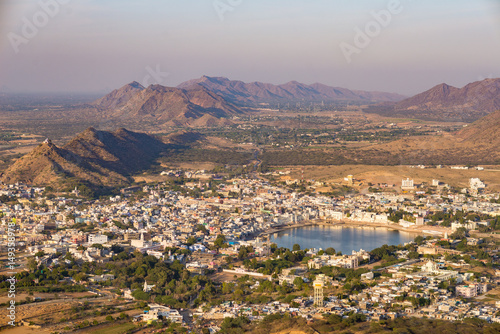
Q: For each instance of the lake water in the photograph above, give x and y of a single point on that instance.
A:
(344, 239)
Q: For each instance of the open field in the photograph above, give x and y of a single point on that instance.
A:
(64, 312)
(364, 174)
(46, 296)
(25, 330)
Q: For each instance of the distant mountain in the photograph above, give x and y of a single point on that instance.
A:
(166, 105)
(447, 103)
(94, 158)
(243, 93)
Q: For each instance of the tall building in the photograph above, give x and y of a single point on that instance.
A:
(407, 184)
(318, 285)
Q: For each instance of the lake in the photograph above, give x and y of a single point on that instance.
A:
(344, 239)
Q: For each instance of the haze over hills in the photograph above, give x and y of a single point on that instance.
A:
(211, 101)
(93, 158)
(448, 103)
(257, 92)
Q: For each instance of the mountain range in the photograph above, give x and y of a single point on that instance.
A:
(447, 103)
(243, 93)
(213, 101)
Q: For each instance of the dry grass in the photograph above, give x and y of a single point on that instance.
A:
(394, 174)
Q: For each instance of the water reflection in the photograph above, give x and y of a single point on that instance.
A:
(344, 239)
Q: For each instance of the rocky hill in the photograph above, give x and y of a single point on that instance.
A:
(257, 92)
(119, 97)
(94, 158)
(448, 103)
(485, 131)
(166, 105)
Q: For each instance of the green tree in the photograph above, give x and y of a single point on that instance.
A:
(220, 241)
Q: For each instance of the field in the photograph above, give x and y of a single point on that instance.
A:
(25, 330)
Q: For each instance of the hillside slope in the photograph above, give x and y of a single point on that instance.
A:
(166, 105)
(94, 158)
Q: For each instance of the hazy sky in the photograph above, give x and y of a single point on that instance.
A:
(98, 45)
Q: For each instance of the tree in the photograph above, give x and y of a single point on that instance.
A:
(296, 247)
(413, 255)
(330, 251)
(80, 277)
(460, 233)
(243, 253)
(32, 264)
(220, 241)
(40, 254)
(298, 281)
(191, 241)
(202, 228)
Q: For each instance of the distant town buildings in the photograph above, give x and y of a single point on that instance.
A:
(407, 184)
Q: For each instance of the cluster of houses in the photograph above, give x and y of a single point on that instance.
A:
(241, 209)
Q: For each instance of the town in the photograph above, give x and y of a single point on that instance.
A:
(211, 235)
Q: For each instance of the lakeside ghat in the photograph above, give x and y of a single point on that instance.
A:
(413, 229)
(341, 238)
(366, 235)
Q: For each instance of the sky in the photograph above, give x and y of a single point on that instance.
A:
(95, 46)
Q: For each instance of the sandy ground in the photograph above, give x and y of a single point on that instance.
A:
(25, 330)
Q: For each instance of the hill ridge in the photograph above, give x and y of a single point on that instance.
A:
(93, 157)
(447, 103)
(258, 92)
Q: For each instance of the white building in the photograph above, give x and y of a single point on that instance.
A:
(407, 184)
(97, 239)
(161, 312)
(476, 184)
